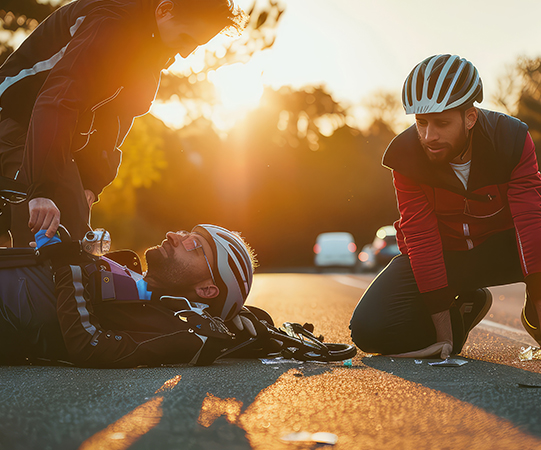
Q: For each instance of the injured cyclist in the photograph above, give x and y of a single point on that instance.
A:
(95, 312)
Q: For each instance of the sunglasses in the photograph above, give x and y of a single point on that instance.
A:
(192, 244)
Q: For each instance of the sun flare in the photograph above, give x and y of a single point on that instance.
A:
(239, 86)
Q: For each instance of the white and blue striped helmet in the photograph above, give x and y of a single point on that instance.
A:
(234, 272)
(439, 83)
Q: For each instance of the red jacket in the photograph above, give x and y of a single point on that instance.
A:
(436, 212)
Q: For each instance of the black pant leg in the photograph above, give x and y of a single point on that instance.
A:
(391, 316)
(493, 263)
(28, 322)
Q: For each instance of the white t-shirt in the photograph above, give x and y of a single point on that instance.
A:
(462, 172)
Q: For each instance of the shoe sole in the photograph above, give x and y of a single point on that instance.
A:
(535, 333)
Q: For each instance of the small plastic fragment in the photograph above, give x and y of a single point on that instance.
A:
(529, 385)
(304, 436)
(279, 360)
(348, 363)
(418, 361)
(527, 354)
(449, 362)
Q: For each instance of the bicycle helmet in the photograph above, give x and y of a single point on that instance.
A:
(439, 83)
(234, 272)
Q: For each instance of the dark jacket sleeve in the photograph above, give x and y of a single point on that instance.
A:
(126, 333)
(419, 225)
(87, 75)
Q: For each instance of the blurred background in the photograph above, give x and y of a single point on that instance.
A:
(279, 134)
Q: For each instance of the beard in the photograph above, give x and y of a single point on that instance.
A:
(165, 273)
(450, 152)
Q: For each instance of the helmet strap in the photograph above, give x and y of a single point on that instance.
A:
(468, 144)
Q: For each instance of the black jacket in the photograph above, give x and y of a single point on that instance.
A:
(77, 82)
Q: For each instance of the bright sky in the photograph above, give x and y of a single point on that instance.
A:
(356, 47)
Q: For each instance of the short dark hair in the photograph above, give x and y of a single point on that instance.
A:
(225, 12)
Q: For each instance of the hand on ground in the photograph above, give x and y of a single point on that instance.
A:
(439, 349)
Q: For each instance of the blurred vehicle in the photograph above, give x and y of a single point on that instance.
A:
(367, 260)
(335, 249)
(378, 254)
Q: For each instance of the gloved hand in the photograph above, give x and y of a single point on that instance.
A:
(247, 327)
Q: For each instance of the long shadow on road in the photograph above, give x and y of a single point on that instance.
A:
(498, 389)
(147, 408)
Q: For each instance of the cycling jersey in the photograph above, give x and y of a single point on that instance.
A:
(437, 213)
(93, 315)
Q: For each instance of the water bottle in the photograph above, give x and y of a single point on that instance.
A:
(97, 242)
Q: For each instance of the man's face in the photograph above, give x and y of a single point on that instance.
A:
(183, 33)
(443, 136)
(177, 264)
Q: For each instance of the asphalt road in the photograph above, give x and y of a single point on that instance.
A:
(379, 402)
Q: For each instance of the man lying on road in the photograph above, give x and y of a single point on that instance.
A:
(469, 194)
(97, 313)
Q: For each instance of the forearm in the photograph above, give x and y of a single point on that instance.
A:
(442, 323)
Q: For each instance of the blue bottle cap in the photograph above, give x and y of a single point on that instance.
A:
(42, 240)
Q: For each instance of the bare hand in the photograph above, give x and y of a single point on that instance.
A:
(90, 198)
(444, 339)
(431, 351)
(44, 215)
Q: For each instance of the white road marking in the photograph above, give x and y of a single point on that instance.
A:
(351, 281)
(506, 331)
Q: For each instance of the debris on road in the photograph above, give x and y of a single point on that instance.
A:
(528, 385)
(418, 361)
(304, 436)
(279, 360)
(529, 353)
(348, 363)
(449, 362)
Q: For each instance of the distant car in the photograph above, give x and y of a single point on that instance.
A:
(335, 250)
(379, 253)
(367, 260)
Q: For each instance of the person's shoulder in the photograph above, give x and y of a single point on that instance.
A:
(499, 122)
(504, 134)
(117, 10)
(405, 143)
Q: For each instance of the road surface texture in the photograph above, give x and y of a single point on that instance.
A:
(378, 402)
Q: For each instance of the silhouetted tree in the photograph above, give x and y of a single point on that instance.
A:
(21, 16)
(519, 93)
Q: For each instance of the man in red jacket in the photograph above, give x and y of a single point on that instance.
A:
(469, 194)
(70, 92)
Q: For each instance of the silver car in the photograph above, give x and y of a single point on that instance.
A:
(335, 249)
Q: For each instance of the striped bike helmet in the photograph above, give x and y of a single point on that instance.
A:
(440, 83)
(234, 272)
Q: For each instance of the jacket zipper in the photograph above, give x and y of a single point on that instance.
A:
(466, 229)
(93, 110)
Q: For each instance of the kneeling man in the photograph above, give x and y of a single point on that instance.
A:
(469, 194)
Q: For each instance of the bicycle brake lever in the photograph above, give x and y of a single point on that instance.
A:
(297, 331)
